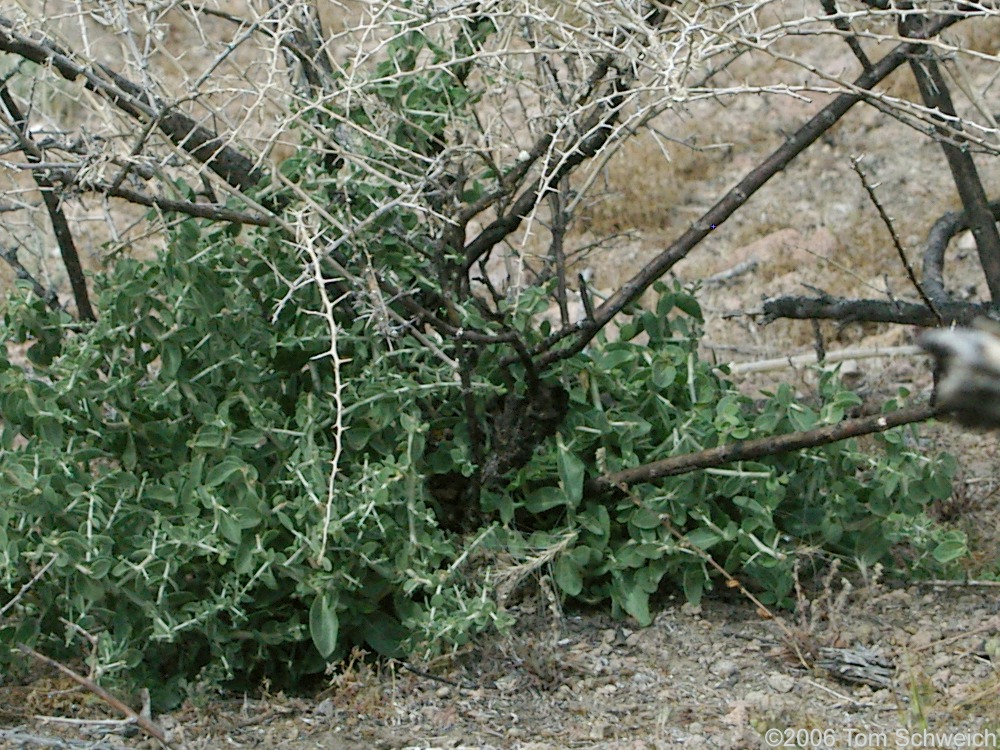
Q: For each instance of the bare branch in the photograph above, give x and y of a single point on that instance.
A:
(934, 90)
(53, 204)
(749, 450)
(871, 310)
(842, 24)
(937, 243)
(896, 242)
(739, 195)
(212, 211)
(200, 142)
(50, 296)
(141, 721)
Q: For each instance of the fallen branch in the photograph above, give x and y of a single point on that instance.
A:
(803, 360)
(22, 738)
(966, 583)
(871, 311)
(748, 450)
(145, 724)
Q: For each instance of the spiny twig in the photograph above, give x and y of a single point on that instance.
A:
(897, 243)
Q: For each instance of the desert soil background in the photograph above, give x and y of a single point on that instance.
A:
(718, 676)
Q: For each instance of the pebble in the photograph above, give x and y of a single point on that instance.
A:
(724, 668)
(780, 683)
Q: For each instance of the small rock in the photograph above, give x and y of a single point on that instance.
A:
(966, 242)
(442, 692)
(780, 683)
(598, 731)
(923, 638)
(851, 373)
(941, 661)
(724, 668)
(941, 679)
(739, 715)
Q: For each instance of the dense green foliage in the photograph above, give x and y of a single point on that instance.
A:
(634, 403)
(179, 473)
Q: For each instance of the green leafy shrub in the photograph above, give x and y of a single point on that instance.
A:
(636, 401)
(179, 462)
(178, 459)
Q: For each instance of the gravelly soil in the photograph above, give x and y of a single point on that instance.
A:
(715, 677)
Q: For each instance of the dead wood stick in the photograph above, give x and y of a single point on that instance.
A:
(747, 450)
(145, 724)
(804, 360)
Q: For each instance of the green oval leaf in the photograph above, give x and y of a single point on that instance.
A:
(324, 625)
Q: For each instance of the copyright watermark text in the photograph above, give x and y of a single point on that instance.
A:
(898, 738)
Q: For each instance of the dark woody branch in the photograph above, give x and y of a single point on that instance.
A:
(201, 143)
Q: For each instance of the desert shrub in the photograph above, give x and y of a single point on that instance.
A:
(177, 461)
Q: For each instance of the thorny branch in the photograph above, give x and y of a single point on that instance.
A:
(135, 101)
(739, 195)
(896, 242)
